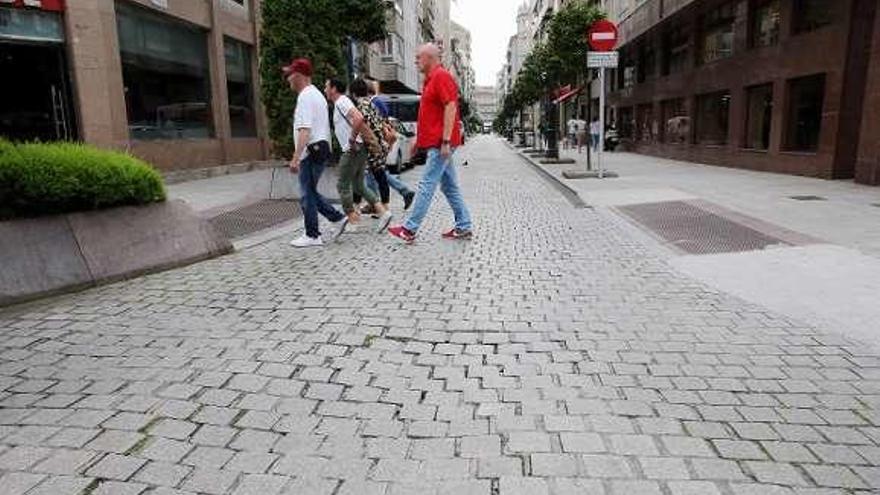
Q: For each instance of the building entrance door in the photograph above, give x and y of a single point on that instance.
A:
(35, 103)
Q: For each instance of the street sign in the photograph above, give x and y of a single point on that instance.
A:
(602, 60)
(602, 36)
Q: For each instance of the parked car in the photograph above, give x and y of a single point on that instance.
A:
(399, 156)
(405, 109)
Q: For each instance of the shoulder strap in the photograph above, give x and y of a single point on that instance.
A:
(345, 117)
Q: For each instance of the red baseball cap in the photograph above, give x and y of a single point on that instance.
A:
(301, 65)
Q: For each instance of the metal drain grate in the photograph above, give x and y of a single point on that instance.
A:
(695, 230)
(807, 197)
(876, 205)
(238, 223)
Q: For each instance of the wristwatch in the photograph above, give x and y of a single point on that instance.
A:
(447, 141)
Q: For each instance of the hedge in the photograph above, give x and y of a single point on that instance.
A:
(50, 178)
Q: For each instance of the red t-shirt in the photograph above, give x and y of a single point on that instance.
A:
(439, 89)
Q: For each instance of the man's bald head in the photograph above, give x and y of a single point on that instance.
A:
(428, 57)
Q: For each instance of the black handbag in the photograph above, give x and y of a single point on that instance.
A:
(319, 151)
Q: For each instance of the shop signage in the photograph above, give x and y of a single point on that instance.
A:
(50, 5)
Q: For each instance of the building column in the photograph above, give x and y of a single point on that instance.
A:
(867, 168)
(855, 79)
(219, 94)
(256, 13)
(93, 46)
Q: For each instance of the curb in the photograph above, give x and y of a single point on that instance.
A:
(567, 191)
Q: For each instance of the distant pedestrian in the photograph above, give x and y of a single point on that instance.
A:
(311, 125)
(439, 131)
(355, 137)
(582, 135)
(595, 132)
(572, 128)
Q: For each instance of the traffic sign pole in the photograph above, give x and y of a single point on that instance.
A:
(602, 37)
(601, 148)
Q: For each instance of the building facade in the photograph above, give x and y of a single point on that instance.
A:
(778, 85)
(173, 82)
(392, 61)
(459, 60)
(486, 103)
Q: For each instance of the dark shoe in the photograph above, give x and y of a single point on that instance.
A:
(367, 210)
(457, 234)
(408, 199)
(403, 234)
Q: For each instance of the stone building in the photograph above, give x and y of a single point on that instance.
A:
(786, 86)
(170, 81)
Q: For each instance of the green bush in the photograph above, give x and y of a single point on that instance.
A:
(43, 179)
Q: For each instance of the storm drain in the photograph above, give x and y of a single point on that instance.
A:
(695, 230)
(241, 222)
(807, 197)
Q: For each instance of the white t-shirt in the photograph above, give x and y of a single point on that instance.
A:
(595, 127)
(342, 121)
(311, 113)
(572, 126)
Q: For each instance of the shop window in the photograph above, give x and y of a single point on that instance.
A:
(764, 28)
(812, 14)
(627, 123)
(647, 60)
(759, 114)
(713, 115)
(645, 123)
(716, 33)
(806, 97)
(676, 51)
(240, 89)
(166, 76)
(676, 122)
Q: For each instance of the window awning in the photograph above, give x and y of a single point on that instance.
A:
(567, 95)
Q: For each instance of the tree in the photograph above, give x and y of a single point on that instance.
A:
(319, 30)
(560, 60)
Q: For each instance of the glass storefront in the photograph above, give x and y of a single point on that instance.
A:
(240, 88)
(165, 71)
(33, 65)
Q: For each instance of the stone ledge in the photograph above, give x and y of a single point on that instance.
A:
(50, 255)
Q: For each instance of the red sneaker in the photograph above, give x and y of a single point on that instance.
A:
(402, 233)
(458, 234)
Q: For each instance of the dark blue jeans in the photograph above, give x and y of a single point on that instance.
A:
(310, 199)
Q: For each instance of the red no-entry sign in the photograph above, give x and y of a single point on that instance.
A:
(602, 36)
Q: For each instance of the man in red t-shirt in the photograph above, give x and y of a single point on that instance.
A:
(439, 132)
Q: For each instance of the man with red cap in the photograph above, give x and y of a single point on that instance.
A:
(311, 125)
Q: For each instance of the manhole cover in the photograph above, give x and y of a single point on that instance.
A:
(695, 230)
(254, 218)
(807, 197)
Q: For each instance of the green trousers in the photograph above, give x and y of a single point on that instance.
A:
(351, 179)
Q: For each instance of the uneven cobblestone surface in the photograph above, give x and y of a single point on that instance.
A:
(554, 354)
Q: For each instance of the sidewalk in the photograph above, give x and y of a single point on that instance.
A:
(849, 216)
(832, 280)
(218, 194)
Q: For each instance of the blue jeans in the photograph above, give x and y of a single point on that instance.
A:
(438, 171)
(311, 200)
(393, 181)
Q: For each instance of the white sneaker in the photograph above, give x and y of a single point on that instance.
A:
(337, 229)
(305, 241)
(384, 220)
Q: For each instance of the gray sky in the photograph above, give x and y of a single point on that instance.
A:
(491, 23)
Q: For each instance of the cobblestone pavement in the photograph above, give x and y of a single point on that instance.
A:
(553, 354)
